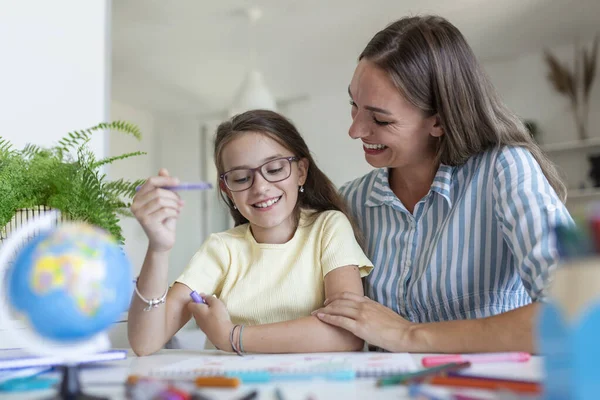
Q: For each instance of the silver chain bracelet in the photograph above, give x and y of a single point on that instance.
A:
(152, 303)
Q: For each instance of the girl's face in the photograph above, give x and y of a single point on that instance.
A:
(269, 202)
(394, 132)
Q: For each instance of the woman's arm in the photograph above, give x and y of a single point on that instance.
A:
(382, 327)
(303, 335)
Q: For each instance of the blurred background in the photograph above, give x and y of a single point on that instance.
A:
(178, 68)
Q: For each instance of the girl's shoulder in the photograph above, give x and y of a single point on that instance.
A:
(323, 220)
(231, 236)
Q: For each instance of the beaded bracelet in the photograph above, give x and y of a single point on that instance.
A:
(152, 303)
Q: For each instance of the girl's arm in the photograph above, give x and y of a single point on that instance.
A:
(148, 331)
(302, 335)
(157, 210)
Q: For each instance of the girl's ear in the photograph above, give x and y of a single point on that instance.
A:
(303, 165)
(224, 189)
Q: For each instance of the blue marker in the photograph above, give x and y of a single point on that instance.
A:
(250, 377)
(185, 186)
(197, 298)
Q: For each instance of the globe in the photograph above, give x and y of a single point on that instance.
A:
(70, 283)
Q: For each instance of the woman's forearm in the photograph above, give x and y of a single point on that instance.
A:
(304, 335)
(510, 331)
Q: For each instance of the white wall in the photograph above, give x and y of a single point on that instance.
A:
(54, 69)
(524, 86)
(54, 72)
(323, 120)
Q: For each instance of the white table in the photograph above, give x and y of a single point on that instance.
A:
(107, 380)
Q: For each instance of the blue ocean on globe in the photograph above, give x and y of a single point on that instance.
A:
(71, 282)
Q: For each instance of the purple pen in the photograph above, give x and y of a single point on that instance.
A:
(196, 297)
(186, 186)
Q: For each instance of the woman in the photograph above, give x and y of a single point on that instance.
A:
(459, 215)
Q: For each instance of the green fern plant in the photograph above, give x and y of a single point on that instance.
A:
(67, 177)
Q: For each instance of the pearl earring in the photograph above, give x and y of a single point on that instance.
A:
(301, 189)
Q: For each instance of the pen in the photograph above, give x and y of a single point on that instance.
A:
(432, 361)
(185, 186)
(420, 375)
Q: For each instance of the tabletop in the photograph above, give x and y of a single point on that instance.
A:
(107, 379)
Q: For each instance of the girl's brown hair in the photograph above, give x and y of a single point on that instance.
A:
(434, 68)
(320, 194)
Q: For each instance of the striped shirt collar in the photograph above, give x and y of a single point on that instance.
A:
(381, 193)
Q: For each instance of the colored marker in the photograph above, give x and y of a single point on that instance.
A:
(483, 383)
(423, 374)
(185, 186)
(196, 297)
(434, 361)
(217, 381)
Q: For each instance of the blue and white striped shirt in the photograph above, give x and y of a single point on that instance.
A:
(478, 244)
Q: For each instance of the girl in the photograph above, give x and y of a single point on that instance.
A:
(293, 246)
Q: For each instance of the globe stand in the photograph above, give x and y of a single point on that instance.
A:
(70, 385)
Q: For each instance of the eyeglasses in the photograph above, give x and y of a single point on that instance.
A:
(240, 179)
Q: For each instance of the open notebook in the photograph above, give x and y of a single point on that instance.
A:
(361, 365)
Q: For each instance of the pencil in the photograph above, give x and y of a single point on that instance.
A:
(489, 384)
(216, 381)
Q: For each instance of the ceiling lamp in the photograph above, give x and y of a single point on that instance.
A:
(253, 92)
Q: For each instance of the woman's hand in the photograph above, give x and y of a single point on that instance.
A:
(213, 318)
(367, 319)
(157, 210)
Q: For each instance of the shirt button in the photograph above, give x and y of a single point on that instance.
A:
(408, 263)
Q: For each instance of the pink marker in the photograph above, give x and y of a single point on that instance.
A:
(432, 361)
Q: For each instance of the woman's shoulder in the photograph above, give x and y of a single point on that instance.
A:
(502, 157)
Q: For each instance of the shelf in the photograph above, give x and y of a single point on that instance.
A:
(583, 194)
(571, 146)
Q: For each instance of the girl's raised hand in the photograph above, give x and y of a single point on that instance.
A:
(157, 210)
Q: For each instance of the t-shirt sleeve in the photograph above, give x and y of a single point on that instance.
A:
(208, 267)
(339, 246)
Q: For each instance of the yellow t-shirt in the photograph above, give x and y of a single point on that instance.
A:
(265, 283)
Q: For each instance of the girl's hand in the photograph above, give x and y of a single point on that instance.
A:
(213, 318)
(367, 319)
(157, 210)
